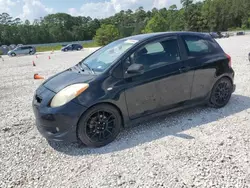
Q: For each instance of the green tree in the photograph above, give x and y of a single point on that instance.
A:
(106, 34)
(206, 15)
(156, 24)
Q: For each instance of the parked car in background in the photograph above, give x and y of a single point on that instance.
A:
(226, 35)
(214, 35)
(129, 80)
(23, 50)
(12, 46)
(72, 47)
(19, 45)
(240, 33)
(222, 35)
(4, 46)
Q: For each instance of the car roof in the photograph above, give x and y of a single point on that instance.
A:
(143, 37)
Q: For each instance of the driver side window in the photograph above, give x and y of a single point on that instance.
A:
(156, 54)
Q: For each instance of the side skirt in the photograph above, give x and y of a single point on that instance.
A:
(187, 105)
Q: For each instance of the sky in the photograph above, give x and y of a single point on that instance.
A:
(33, 9)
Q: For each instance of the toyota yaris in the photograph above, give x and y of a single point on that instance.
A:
(129, 80)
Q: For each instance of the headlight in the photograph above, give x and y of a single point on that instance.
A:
(67, 94)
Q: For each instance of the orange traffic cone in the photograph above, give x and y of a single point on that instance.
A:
(38, 77)
(49, 57)
(33, 63)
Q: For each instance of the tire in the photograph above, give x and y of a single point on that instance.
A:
(31, 53)
(78, 49)
(13, 54)
(92, 133)
(221, 93)
(66, 50)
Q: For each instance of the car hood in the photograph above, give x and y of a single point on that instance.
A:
(61, 80)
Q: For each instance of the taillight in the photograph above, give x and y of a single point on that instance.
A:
(229, 60)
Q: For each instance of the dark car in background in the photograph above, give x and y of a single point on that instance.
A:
(22, 50)
(72, 47)
(130, 80)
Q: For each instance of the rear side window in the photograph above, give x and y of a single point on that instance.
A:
(26, 47)
(197, 46)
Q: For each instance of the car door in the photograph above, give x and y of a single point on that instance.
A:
(70, 47)
(204, 62)
(25, 50)
(19, 50)
(164, 83)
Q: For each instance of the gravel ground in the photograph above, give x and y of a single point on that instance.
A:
(199, 147)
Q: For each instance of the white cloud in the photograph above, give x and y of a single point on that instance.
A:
(110, 7)
(73, 12)
(33, 9)
(5, 5)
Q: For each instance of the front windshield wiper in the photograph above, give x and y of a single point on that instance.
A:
(88, 67)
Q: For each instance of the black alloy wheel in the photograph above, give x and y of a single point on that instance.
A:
(99, 126)
(221, 93)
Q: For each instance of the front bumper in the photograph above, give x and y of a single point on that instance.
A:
(56, 124)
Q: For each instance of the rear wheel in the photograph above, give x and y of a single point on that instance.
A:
(221, 93)
(99, 126)
(13, 54)
(78, 49)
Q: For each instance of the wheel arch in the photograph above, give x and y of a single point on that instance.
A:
(107, 103)
(217, 80)
(221, 77)
(100, 103)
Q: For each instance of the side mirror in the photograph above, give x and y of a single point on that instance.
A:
(135, 69)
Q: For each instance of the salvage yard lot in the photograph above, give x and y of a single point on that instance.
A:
(199, 147)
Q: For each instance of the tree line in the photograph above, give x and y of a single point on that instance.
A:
(204, 16)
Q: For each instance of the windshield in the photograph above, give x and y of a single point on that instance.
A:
(106, 56)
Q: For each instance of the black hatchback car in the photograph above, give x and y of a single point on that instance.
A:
(129, 80)
(72, 47)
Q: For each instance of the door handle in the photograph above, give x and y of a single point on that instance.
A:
(184, 69)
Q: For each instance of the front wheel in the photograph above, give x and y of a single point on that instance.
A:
(221, 93)
(99, 126)
(13, 54)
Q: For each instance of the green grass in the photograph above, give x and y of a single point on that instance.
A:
(47, 48)
(50, 48)
(238, 29)
(90, 45)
